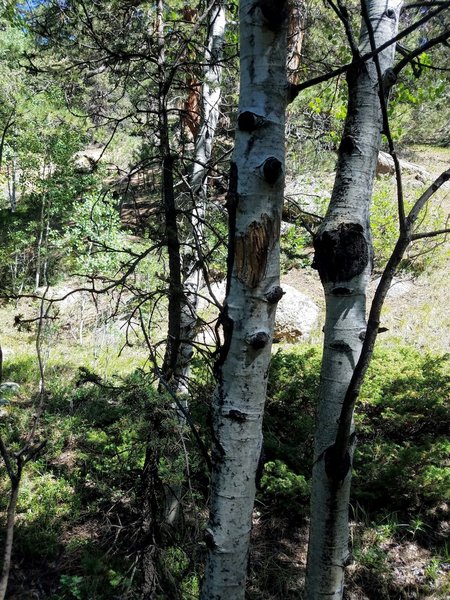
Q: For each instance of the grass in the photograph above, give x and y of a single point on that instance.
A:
(79, 508)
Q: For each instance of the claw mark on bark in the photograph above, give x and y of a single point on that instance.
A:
(252, 248)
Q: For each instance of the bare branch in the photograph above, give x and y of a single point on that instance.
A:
(423, 4)
(418, 206)
(428, 234)
(408, 58)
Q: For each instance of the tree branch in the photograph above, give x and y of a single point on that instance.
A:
(428, 234)
(345, 420)
(408, 58)
(296, 89)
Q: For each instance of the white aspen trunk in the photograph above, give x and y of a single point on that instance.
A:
(254, 203)
(344, 261)
(210, 103)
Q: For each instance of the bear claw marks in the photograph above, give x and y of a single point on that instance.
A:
(252, 249)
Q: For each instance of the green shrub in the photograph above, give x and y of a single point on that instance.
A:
(384, 223)
(291, 398)
(294, 244)
(282, 486)
(402, 421)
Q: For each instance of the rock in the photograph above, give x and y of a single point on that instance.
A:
(296, 315)
(399, 287)
(10, 387)
(285, 227)
(385, 166)
(85, 161)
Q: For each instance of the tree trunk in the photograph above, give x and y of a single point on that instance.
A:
(210, 103)
(254, 203)
(344, 261)
(151, 488)
(192, 257)
(7, 552)
(296, 32)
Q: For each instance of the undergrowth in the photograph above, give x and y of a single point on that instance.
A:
(80, 509)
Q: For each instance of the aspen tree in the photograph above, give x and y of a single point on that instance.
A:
(254, 203)
(343, 257)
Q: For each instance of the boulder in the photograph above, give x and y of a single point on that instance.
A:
(85, 161)
(399, 287)
(296, 316)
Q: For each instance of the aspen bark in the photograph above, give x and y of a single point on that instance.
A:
(192, 259)
(343, 257)
(209, 115)
(254, 203)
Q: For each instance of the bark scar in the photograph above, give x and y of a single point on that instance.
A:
(252, 249)
(342, 253)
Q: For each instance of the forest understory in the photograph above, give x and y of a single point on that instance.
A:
(76, 523)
